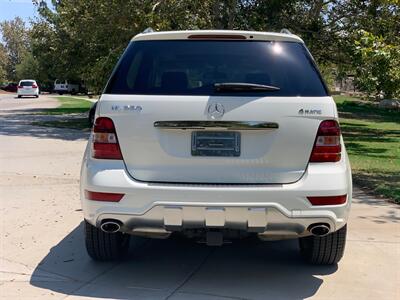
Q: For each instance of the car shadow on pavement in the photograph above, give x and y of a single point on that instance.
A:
(181, 269)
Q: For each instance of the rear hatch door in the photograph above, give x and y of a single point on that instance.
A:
(175, 125)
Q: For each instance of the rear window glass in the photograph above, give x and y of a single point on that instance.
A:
(27, 83)
(183, 67)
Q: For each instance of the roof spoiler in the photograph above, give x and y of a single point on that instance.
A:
(285, 31)
(148, 30)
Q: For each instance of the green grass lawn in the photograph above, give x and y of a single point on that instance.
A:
(340, 99)
(71, 107)
(372, 139)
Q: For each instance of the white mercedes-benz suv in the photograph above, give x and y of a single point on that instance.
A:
(216, 135)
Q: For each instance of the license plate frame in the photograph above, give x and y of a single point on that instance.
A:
(216, 143)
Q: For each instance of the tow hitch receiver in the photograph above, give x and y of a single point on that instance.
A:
(214, 238)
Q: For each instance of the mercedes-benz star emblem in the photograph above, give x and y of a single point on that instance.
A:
(216, 110)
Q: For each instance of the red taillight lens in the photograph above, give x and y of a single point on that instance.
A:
(19, 87)
(104, 140)
(34, 86)
(328, 200)
(327, 144)
(97, 196)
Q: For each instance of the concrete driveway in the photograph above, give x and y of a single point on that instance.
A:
(42, 254)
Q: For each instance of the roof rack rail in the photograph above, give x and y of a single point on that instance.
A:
(285, 31)
(148, 30)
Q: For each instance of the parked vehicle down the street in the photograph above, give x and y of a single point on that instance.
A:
(28, 87)
(62, 86)
(11, 87)
(46, 87)
(216, 135)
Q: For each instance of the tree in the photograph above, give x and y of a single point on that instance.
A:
(46, 48)
(309, 19)
(84, 39)
(3, 63)
(28, 68)
(16, 43)
(377, 65)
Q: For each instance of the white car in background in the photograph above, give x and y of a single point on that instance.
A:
(65, 87)
(27, 87)
(216, 135)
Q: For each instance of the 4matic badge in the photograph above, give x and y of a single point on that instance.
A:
(310, 111)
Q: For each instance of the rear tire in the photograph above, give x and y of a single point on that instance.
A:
(19, 96)
(104, 246)
(326, 250)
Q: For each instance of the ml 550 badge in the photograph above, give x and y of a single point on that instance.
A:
(132, 108)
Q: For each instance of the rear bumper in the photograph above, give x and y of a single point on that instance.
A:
(60, 90)
(266, 220)
(34, 92)
(279, 209)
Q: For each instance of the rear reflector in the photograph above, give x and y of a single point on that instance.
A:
(216, 37)
(106, 151)
(328, 200)
(327, 143)
(104, 140)
(97, 196)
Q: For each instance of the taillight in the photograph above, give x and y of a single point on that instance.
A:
(19, 87)
(327, 144)
(216, 37)
(104, 140)
(98, 196)
(328, 200)
(34, 86)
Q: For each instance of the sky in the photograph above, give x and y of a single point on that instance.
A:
(9, 9)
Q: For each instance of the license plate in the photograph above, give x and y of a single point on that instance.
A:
(216, 143)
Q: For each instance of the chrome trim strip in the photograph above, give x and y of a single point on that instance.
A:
(227, 125)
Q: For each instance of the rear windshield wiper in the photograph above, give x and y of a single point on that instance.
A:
(243, 87)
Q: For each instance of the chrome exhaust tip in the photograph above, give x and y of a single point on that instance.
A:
(110, 226)
(320, 229)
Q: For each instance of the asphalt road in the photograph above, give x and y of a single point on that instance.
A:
(10, 101)
(42, 254)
